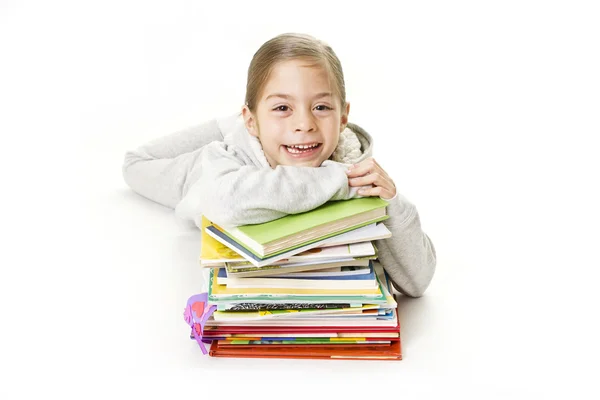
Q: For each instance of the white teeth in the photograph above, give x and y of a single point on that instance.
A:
(303, 146)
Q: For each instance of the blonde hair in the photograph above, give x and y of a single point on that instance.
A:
(289, 46)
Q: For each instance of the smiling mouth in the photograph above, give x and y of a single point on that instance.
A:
(302, 148)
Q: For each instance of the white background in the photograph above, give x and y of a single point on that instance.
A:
(486, 115)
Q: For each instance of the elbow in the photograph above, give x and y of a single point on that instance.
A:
(413, 291)
(129, 160)
(429, 264)
(427, 276)
(417, 285)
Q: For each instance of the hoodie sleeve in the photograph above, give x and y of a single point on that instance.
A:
(408, 256)
(159, 170)
(230, 191)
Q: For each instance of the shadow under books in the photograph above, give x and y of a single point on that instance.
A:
(413, 314)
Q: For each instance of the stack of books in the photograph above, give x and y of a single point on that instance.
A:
(302, 286)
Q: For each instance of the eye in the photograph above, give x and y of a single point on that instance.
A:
(323, 107)
(281, 108)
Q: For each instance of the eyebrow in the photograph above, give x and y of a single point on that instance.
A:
(289, 97)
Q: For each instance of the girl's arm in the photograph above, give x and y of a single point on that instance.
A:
(230, 191)
(158, 170)
(408, 256)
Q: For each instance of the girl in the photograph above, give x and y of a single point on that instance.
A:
(291, 150)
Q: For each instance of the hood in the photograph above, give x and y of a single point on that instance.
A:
(355, 145)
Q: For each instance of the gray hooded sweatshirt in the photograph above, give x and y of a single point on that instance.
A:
(219, 170)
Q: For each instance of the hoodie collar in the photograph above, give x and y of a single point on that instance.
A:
(354, 145)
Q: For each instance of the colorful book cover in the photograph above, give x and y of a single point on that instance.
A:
(281, 306)
(289, 313)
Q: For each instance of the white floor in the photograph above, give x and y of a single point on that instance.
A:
(484, 116)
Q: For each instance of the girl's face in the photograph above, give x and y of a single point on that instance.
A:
(298, 119)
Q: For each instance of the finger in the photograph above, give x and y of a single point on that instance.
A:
(387, 196)
(384, 179)
(362, 168)
(375, 179)
(364, 180)
(376, 191)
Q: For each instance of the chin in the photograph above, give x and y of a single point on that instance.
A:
(308, 162)
(305, 164)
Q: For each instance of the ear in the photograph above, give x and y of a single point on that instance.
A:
(344, 119)
(250, 121)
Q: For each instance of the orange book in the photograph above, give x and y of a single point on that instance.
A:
(392, 351)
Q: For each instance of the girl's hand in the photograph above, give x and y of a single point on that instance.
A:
(368, 172)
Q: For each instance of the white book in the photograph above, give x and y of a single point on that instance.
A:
(370, 232)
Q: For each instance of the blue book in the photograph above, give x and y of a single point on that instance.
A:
(362, 281)
(355, 277)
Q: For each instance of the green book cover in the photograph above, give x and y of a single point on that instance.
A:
(295, 223)
(272, 254)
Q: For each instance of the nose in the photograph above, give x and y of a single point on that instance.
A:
(304, 122)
